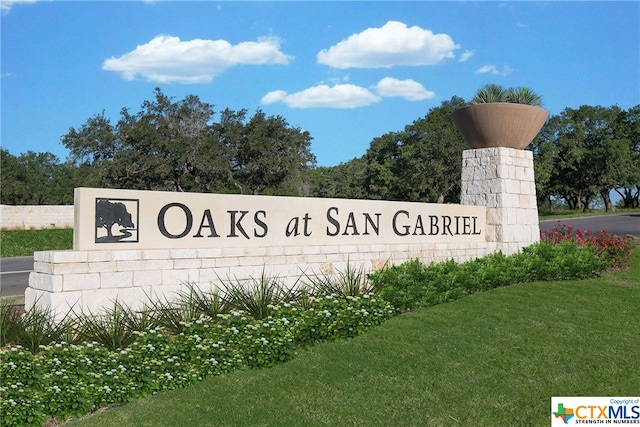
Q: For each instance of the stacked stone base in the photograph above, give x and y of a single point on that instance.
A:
(90, 281)
(502, 179)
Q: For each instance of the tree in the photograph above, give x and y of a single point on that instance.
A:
(175, 145)
(35, 179)
(605, 151)
(544, 153)
(264, 151)
(381, 170)
(345, 180)
(559, 152)
(94, 145)
(166, 145)
(418, 163)
(434, 156)
(586, 152)
(169, 145)
(13, 189)
(629, 171)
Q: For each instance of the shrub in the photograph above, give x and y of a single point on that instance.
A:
(615, 250)
(252, 326)
(401, 285)
(259, 296)
(496, 93)
(411, 284)
(349, 282)
(560, 261)
(114, 329)
(208, 303)
(10, 323)
(32, 329)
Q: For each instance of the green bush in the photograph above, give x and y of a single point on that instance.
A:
(32, 329)
(560, 261)
(411, 284)
(401, 285)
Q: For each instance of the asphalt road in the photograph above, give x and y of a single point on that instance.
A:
(14, 272)
(14, 275)
(620, 225)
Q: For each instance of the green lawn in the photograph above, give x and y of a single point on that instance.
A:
(25, 242)
(493, 359)
(563, 214)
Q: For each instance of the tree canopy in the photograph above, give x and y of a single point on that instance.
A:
(35, 179)
(415, 164)
(581, 154)
(587, 152)
(171, 145)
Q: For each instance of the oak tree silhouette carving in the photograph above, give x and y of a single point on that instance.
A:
(107, 215)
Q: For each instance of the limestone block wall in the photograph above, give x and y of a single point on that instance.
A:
(35, 217)
(502, 179)
(89, 281)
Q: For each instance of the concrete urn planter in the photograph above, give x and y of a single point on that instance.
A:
(499, 124)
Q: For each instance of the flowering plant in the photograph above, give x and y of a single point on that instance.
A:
(614, 249)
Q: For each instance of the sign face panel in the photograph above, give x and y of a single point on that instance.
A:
(107, 219)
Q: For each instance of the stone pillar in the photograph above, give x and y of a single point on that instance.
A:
(502, 179)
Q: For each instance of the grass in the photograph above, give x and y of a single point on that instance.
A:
(12, 300)
(565, 213)
(495, 358)
(16, 243)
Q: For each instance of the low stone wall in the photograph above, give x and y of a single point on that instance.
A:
(35, 217)
(90, 280)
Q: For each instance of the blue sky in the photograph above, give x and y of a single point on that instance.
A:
(346, 71)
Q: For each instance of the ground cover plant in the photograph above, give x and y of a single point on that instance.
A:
(86, 363)
(15, 243)
(493, 359)
(65, 378)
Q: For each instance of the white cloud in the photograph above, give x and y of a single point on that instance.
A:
(407, 89)
(347, 96)
(167, 59)
(387, 46)
(5, 5)
(344, 96)
(487, 69)
(492, 69)
(273, 97)
(466, 55)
